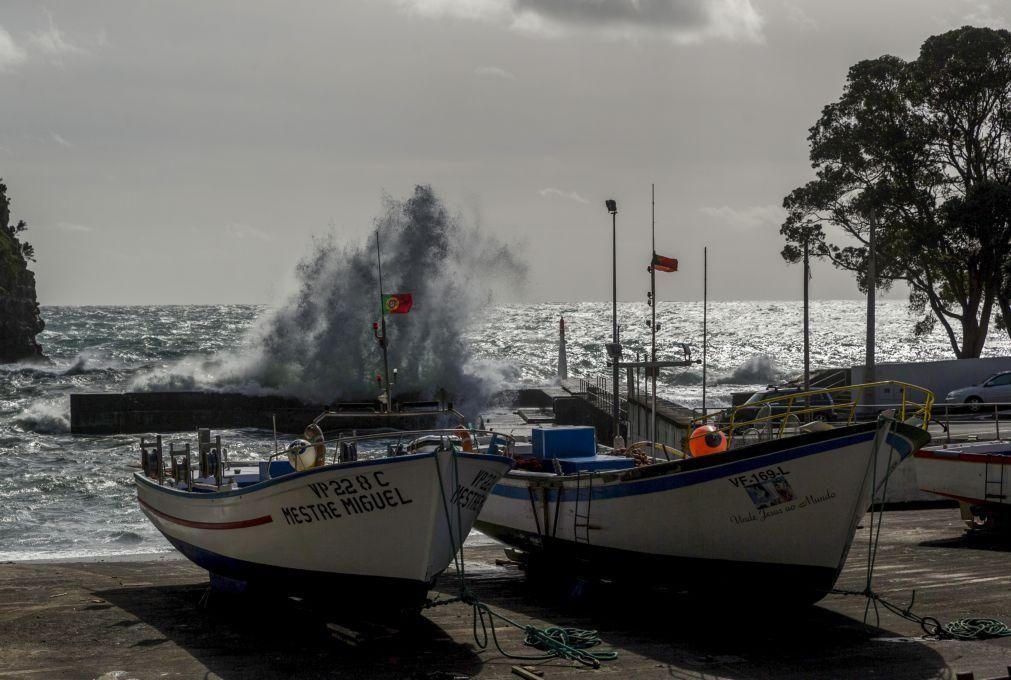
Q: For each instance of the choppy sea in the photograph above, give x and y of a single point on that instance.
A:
(72, 496)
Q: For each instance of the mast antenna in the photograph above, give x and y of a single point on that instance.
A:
(652, 325)
(381, 334)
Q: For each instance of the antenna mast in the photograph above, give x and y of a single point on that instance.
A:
(381, 335)
(705, 310)
(652, 325)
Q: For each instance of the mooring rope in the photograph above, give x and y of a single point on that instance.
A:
(958, 629)
(555, 642)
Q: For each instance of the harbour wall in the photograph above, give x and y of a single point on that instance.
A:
(137, 412)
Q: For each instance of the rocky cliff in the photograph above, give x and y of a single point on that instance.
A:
(20, 320)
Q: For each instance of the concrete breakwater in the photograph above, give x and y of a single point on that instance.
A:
(135, 412)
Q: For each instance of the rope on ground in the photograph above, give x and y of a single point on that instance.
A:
(555, 642)
(958, 629)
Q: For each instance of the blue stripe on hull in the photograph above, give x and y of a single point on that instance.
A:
(679, 479)
(353, 590)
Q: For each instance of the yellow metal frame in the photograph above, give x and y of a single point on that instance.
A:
(906, 408)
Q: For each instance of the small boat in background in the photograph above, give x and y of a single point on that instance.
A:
(373, 526)
(767, 504)
(976, 474)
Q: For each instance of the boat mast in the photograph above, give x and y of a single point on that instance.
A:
(807, 321)
(381, 337)
(705, 311)
(652, 325)
(614, 349)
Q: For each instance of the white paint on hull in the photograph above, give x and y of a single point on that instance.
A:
(783, 508)
(383, 518)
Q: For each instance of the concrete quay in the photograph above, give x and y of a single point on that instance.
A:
(143, 412)
(153, 619)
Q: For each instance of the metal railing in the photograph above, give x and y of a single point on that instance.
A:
(600, 395)
(787, 414)
(447, 438)
(972, 413)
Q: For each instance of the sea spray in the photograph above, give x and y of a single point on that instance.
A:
(319, 344)
(759, 369)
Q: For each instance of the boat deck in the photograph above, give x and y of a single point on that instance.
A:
(146, 620)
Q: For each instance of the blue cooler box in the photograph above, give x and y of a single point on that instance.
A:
(576, 441)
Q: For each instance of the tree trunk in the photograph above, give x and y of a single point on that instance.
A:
(1004, 302)
(974, 330)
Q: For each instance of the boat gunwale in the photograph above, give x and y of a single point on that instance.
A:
(666, 476)
(302, 474)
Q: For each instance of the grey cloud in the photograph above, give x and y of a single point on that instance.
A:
(647, 13)
(495, 72)
(52, 41)
(60, 140)
(10, 53)
(560, 193)
(752, 217)
(682, 20)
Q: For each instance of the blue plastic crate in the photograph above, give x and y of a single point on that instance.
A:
(575, 441)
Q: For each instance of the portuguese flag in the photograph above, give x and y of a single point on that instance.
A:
(398, 303)
(664, 264)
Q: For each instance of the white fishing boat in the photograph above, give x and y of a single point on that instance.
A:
(371, 521)
(976, 474)
(765, 512)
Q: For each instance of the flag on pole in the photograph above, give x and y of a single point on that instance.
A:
(398, 303)
(664, 264)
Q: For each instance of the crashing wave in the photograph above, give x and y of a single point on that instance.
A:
(319, 345)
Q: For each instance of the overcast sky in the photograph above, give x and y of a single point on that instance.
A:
(187, 152)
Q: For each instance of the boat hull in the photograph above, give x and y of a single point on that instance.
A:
(379, 529)
(975, 474)
(779, 514)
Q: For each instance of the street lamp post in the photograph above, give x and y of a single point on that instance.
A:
(614, 350)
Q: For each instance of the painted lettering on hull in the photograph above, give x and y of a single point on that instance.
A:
(472, 496)
(345, 497)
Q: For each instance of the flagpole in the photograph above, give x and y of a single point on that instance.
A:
(382, 319)
(705, 310)
(652, 325)
(807, 324)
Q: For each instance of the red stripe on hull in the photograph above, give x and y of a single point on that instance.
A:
(242, 524)
(993, 458)
(964, 499)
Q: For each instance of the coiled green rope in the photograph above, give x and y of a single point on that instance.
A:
(976, 629)
(555, 642)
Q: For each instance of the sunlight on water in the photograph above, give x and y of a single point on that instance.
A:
(63, 496)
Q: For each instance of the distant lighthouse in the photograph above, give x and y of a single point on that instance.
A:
(563, 363)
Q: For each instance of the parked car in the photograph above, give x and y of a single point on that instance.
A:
(822, 401)
(994, 390)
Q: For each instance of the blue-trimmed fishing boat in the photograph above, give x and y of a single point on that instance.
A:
(375, 532)
(766, 516)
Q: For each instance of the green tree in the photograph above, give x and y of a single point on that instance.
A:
(25, 249)
(923, 147)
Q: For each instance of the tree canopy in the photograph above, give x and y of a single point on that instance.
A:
(921, 148)
(24, 249)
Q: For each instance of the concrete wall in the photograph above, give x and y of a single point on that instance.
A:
(134, 412)
(671, 434)
(940, 377)
(579, 411)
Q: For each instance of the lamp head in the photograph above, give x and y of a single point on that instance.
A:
(612, 206)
